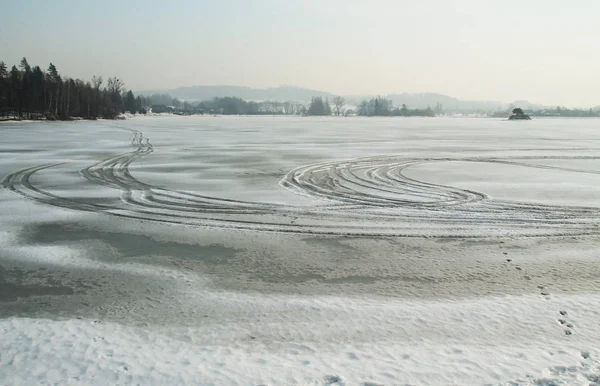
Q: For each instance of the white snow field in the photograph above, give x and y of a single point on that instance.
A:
(302, 251)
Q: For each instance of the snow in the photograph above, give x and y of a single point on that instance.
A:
(282, 250)
(475, 342)
(489, 341)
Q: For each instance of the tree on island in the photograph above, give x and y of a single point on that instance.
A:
(518, 114)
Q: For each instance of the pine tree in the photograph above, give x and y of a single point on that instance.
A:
(319, 107)
(138, 105)
(24, 65)
(55, 81)
(38, 89)
(3, 86)
(15, 98)
(26, 90)
(52, 73)
(129, 102)
(27, 94)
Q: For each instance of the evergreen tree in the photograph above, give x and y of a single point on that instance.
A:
(38, 89)
(15, 98)
(88, 100)
(27, 94)
(52, 73)
(139, 105)
(129, 102)
(327, 107)
(53, 89)
(24, 65)
(3, 87)
(71, 100)
(28, 91)
(319, 107)
(363, 108)
(404, 110)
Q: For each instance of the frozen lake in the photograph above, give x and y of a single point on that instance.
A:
(284, 250)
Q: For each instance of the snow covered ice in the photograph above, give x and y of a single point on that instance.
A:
(283, 250)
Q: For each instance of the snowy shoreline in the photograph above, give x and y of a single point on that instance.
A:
(345, 341)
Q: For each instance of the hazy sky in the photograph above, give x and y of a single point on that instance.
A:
(546, 51)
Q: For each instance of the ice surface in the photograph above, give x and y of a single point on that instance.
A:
(202, 175)
(270, 250)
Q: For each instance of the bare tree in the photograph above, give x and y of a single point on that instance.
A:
(97, 82)
(288, 108)
(338, 103)
(115, 86)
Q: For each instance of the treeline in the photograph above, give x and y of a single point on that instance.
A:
(376, 107)
(381, 107)
(564, 112)
(162, 103)
(32, 93)
(556, 112)
(232, 105)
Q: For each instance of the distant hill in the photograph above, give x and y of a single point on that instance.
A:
(526, 105)
(282, 93)
(424, 100)
(303, 95)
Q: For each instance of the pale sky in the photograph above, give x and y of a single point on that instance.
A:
(545, 51)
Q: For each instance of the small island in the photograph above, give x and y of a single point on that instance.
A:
(518, 114)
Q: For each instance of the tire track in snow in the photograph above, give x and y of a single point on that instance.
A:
(367, 196)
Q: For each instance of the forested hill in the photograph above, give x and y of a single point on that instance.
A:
(424, 100)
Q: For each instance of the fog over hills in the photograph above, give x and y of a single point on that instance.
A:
(423, 100)
(299, 94)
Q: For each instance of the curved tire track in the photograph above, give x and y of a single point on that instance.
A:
(368, 196)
